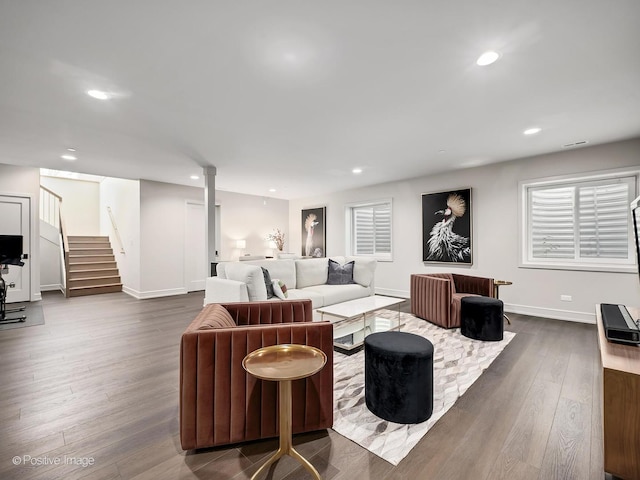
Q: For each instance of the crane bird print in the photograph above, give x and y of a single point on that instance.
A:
(313, 235)
(446, 221)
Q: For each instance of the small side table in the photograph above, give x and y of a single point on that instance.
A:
(284, 363)
(496, 287)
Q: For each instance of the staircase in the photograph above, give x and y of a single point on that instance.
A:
(91, 267)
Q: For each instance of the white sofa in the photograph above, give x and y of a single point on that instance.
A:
(304, 278)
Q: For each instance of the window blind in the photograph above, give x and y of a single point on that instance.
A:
(581, 221)
(372, 229)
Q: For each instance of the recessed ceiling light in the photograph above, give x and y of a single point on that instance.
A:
(67, 156)
(356, 170)
(71, 149)
(487, 58)
(441, 151)
(532, 131)
(195, 177)
(272, 190)
(99, 94)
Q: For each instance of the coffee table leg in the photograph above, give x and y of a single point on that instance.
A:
(286, 446)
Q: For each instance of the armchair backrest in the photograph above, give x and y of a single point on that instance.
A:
(220, 403)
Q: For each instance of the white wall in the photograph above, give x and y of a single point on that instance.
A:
(162, 236)
(50, 258)
(495, 232)
(250, 218)
(162, 231)
(80, 203)
(123, 197)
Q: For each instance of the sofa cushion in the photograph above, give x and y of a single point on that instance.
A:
(251, 275)
(331, 294)
(268, 284)
(280, 289)
(214, 316)
(364, 269)
(284, 270)
(317, 299)
(311, 271)
(339, 274)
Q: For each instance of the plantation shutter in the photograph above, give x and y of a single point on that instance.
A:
(552, 223)
(603, 218)
(372, 229)
(581, 221)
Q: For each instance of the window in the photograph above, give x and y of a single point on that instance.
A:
(369, 229)
(580, 223)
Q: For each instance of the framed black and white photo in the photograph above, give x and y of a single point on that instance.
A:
(446, 227)
(313, 232)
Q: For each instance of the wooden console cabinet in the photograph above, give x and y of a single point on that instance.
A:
(621, 404)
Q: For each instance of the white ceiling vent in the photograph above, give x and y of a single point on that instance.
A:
(575, 144)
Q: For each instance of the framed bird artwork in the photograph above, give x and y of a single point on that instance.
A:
(313, 232)
(446, 227)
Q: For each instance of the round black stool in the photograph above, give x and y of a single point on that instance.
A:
(481, 318)
(398, 376)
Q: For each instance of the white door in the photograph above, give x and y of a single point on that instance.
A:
(14, 220)
(195, 252)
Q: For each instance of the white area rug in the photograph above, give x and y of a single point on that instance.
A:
(457, 362)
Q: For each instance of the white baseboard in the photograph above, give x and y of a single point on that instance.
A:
(391, 292)
(556, 314)
(51, 288)
(154, 293)
(37, 296)
(568, 315)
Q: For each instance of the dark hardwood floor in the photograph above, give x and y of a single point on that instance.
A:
(98, 383)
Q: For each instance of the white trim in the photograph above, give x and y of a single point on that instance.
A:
(37, 297)
(604, 265)
(392, 292)
(348, 217)
(553, 313)
(51, 288)
(154, 293)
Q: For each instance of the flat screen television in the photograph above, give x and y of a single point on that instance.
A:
(10, 248)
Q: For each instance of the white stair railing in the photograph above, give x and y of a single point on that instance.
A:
(50, 207)
(115, 229)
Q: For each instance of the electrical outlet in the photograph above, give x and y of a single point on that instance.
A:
(566, 298)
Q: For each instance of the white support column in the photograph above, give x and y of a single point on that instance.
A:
(210, 216)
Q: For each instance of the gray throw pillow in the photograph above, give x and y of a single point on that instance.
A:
(340, 274)
(268, 283)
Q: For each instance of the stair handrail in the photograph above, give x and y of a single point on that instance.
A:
(115, 229)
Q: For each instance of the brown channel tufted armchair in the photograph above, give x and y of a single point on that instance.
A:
(436, 296)
(220, 403)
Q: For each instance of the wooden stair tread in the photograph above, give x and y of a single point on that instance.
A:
(89, 287)
(94, 278)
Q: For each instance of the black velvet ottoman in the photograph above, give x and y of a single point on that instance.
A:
(398, 376)
(481, 318)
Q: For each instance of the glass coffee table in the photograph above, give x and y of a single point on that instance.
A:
(355, 319)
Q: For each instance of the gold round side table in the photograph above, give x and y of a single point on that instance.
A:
(282, 364)
(496, 287)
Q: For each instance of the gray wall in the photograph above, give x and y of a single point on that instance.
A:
(496, 229)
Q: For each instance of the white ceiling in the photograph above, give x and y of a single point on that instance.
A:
(292, 95)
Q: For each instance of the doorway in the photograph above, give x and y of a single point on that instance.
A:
(15, 214)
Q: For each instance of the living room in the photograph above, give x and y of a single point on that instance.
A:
(99, 379)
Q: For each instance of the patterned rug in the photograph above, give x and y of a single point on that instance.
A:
(457, 362)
